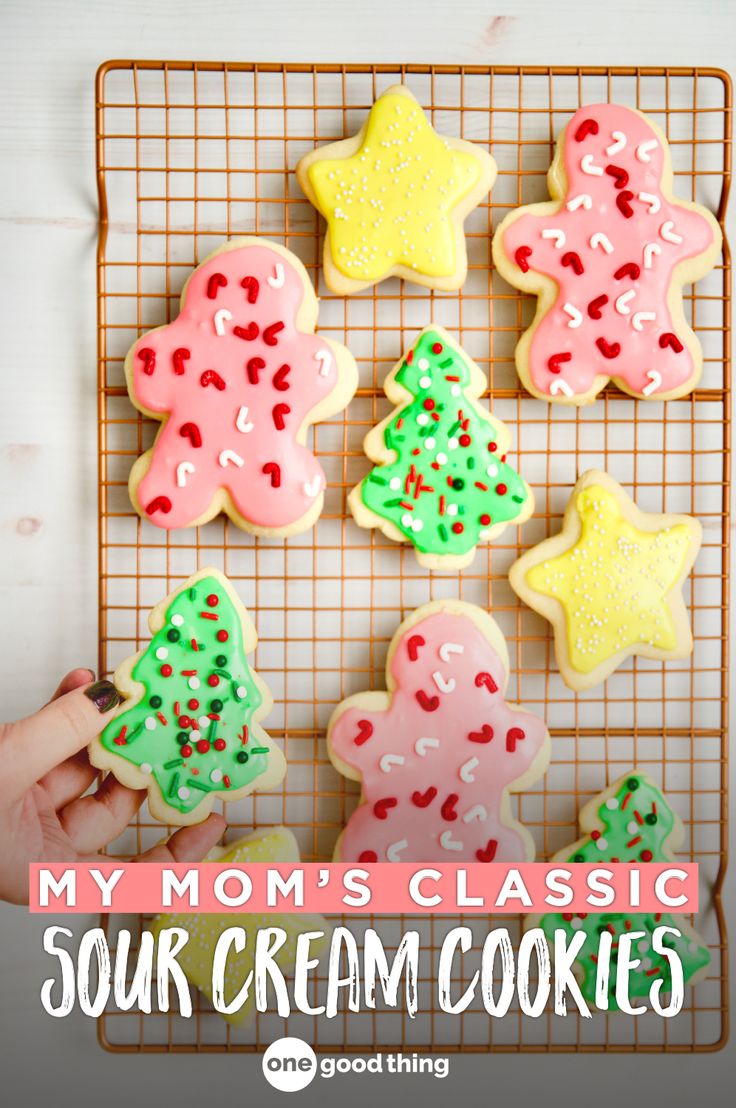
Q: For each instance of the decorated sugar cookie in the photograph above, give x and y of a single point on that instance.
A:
(608, 257)
(276, 845)
(442, 482)
(236, 380)
(438, 753)
(395, 197)
(610, 582)
(629, 822)
(189, 729)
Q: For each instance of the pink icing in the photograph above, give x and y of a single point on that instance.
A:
(474, 704)
(262, 436)
(646, 360)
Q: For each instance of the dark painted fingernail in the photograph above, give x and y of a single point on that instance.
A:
(103, 695)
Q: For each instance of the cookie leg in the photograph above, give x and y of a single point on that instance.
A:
(174, 497)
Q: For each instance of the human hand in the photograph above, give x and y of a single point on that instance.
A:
(44, 816)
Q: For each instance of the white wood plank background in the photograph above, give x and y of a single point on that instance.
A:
(49, 51)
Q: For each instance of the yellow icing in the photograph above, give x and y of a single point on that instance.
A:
(196, 958)
(390, 203)
(613, 582)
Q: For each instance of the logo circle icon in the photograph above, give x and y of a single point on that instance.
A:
(289, 1064)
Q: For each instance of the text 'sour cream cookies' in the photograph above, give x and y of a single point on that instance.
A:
(610, 582)
(608, 257)
(630, 821)
(189, 729)
(236, 380)
(438, 753)
(395, 197)
(442, 482)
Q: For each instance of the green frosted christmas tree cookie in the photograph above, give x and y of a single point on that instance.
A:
(630, 822)
(442, 481)
(189, 729)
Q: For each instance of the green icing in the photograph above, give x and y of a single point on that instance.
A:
(447, 466)
(636, 799)
(156, 746)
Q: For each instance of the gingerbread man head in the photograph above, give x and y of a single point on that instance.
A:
(439, 752)
(237, 378)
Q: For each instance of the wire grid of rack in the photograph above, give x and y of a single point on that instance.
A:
(192, 153)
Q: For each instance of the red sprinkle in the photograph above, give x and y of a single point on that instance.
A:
(594, 308)
(608, 350)
(194, 645)
(447, 811)
(216, 281)
(252, 287)
(413, 645)
(489, 852)
(620, 175)
(436, 347)
(280, 411)
(166, 670)
(485, 519)
(465, 440)
(219, 744)
(623, 205)
(458, 528)
(501, 489)
(428, 703)
(670, 339)
(212, 377)
(187, 751)
(203, 746)
(149, 360)
(481, 486)
(269, 335)
(189, 673)
(485, 734)
(423, 800)
(628, 269)
(159, 504)
(226, 781)
(213, 680)
(248, 334)
(646, 855)
(162, 719)
(381, 807)
(368, 856)
(587, 127)
(179, 357)
(279, 378)
(273, 470)
(192, 704)
(222, 635)
(521, 256)
(554, 362)
(572, 259)
(191, 431)
(487, 680)
(208, 615)
(513, 736)
(493, 446)
(253, 367)
(213, 600)
(428, 404)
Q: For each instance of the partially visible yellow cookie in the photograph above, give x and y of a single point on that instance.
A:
(610, 582)
(395, 197)
(276, 845)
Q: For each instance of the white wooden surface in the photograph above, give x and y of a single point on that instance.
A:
(49, 51)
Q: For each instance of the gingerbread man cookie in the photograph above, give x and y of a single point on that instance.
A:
(395, 197)
(236, 381)
(438, 753)
(629, 822)
(189, 729)
(610, 582)
(443, 482)
(275, 845)
(608, 257)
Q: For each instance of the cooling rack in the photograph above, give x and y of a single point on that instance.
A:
(191, 153)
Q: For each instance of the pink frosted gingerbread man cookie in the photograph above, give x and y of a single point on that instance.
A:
(608, 258)
(440, 751)
(236, 380)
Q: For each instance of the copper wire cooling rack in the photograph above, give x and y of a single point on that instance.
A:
(189, 154)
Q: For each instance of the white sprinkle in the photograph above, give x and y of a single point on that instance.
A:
(183, 793)
(216, 775)
(430, 443)
(612, 804)
(193, 682)
(177, 620)
(146, 767)
(602, 844)
(441, 458)
(150, 723)
(240, 692)
(162, 653)
(395, 483)
(425, 382)
(452, 444)
(423, 364)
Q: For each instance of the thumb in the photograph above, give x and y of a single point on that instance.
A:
(34, 745)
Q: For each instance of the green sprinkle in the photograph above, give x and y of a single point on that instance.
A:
(192, 593)
(455, 427)
(443, 532)
(223, 673)
(198, 785)
(242, 757)
(174, 762)
(134, 733)
(259, 750)
(174, 784)
(392, 503)
(471, 463)
(387, 437)
(376, 479)
(446, 364)
(518, 499)
(211, 730)
(173, 635)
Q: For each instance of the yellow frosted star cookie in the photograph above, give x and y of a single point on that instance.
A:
(395, 197)
(275, 845)
(610, 582)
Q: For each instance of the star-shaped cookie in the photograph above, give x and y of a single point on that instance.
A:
(610, 582)
(395, 197)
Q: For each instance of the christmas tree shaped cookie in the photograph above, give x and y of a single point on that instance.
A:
(395, 197)
(189, 729)
(630, 822)
(438, 753)
(610, 582)
(442, 481)
(276, 845)
(608, 257)
(236, 381)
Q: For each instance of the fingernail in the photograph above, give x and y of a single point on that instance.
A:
(103, 695)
